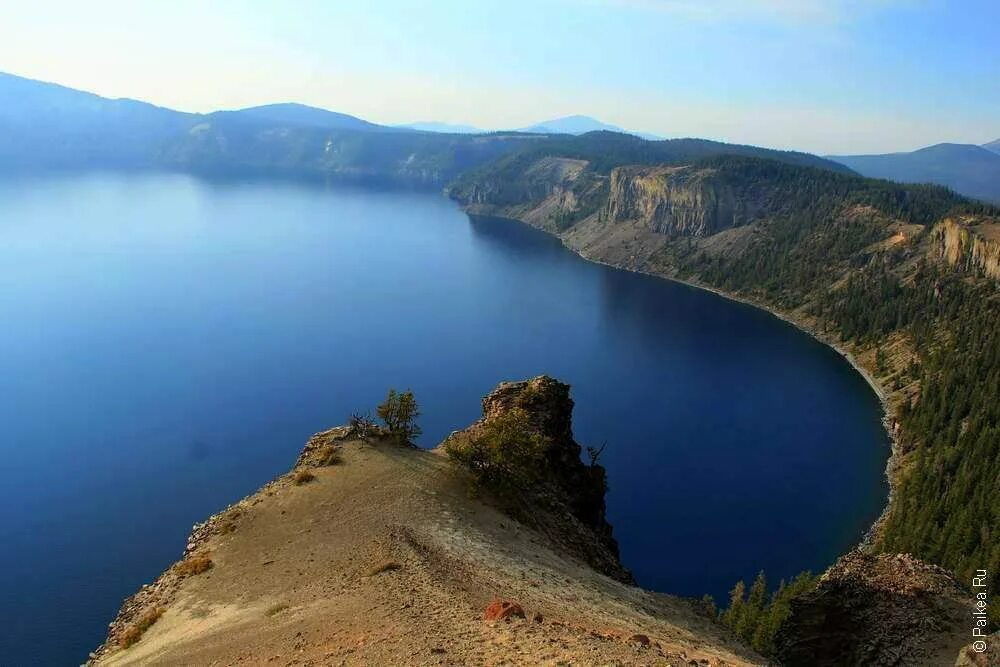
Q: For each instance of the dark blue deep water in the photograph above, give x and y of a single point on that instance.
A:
(168, 344)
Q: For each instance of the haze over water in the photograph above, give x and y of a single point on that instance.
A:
(169, 344)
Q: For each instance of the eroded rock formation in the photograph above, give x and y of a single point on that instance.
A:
(885, 609)
(676, 200)
(568, 503)
(970, 243)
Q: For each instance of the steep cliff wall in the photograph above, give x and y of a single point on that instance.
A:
(683, 201)
(968, 243)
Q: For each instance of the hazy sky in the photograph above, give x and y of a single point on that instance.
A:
(830, 76)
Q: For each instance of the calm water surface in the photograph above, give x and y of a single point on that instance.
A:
(168, 344)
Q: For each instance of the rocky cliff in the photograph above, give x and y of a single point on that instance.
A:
(681, 200)
(567, 504)
(969, 243)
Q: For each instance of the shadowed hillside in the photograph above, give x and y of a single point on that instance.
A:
(973, 171)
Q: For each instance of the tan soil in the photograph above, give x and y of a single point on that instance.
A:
(386, 560)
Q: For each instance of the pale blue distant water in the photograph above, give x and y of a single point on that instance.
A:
(167, 345)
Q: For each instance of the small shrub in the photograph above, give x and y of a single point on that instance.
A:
(387, 566)
(506, 455)
(277, 609)
(193, 565)
(135, 631)
(363, 425)
(329, 455)
(399, 413)
(303, 477)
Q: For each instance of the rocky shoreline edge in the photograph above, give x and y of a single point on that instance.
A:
(893, 462)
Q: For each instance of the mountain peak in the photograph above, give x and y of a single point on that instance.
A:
(579, 124)
(294, 113)
(968, 169)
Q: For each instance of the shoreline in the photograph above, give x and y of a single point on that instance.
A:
(892, 463)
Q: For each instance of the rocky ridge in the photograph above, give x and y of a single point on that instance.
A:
(378, 555)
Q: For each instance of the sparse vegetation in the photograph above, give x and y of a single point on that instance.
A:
(193, 565)
(276, 609)
(363, 425)
(385, 566)
(329, 455)
(505, 456)
(134, 632)
(303, 477)
(399, 413)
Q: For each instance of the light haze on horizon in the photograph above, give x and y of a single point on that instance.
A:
(825, 76)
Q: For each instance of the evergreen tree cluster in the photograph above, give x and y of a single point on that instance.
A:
(947, 509)
(756, 616)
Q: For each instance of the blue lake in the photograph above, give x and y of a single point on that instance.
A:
(168, 344)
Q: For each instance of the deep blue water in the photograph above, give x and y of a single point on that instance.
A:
(168, 344)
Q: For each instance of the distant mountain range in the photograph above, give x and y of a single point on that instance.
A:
(444, 128)
(576, 125)
(45, 125)
(580, 125)
(968, 169)
(291, 113)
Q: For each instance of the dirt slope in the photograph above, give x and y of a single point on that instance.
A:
(295, 580)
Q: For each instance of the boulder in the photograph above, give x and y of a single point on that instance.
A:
(503, 610)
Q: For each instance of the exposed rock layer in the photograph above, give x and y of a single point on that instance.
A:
(971, 244)
(886, 609)
(676, 200)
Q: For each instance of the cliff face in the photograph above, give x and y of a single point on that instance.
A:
(969, 244)
(555, 193)
(676, 200)
(541, 180)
